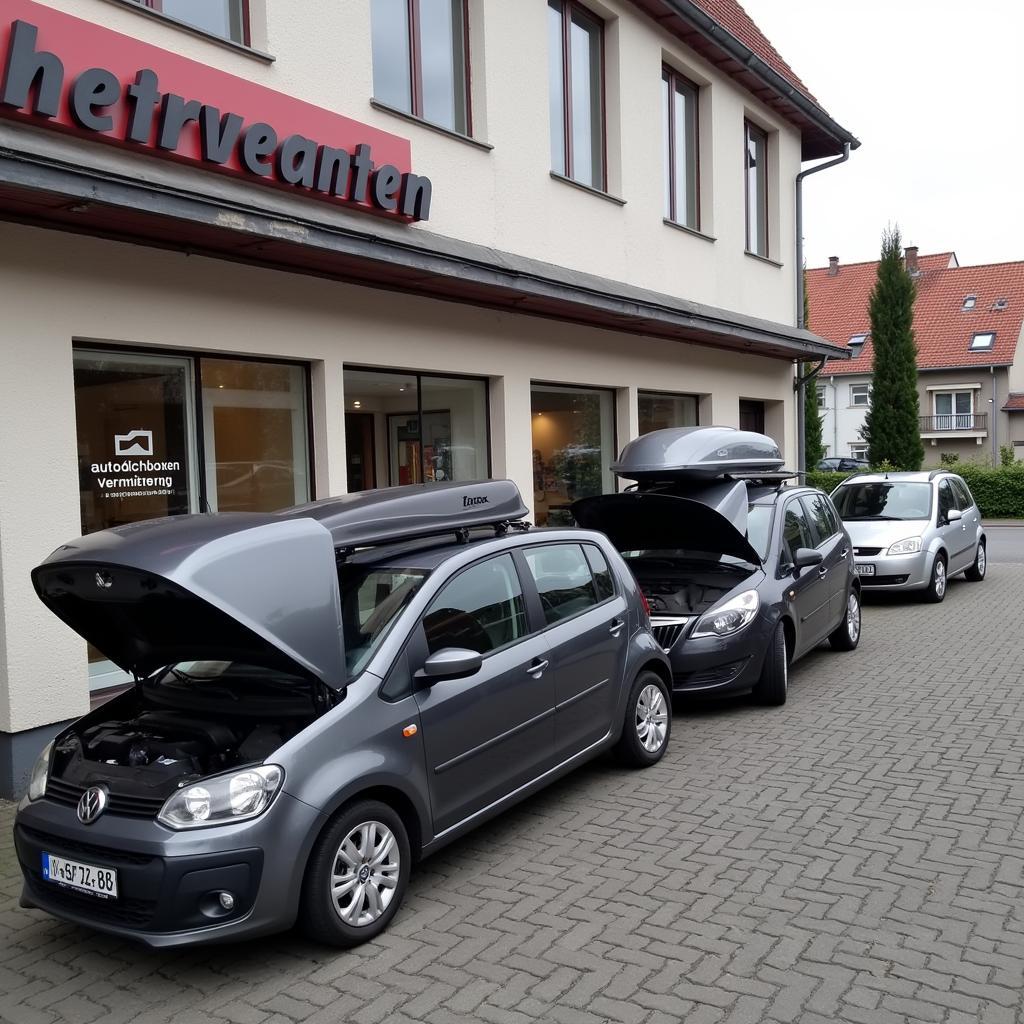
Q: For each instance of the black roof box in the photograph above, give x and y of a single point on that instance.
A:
(697, 453)
(391, 514)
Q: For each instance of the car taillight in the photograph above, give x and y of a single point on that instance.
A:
(646, 604)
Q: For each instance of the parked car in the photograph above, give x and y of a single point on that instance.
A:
(322, 696)
(912, 531)
(742, 574)
(843, 464)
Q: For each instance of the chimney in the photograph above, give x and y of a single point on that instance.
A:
(910, 260)
(833, 266)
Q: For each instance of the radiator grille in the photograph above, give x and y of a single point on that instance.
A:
(668, 630)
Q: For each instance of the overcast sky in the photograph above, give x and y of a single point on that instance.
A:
(934, 90)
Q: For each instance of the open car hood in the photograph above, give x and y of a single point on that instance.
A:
(257, 589)
(712, 518)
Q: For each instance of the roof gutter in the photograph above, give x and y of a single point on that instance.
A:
(800, 384)
(711, 29)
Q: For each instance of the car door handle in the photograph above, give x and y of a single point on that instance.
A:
(822, 572)
(616, 627)
(844, 552)
(537, 667)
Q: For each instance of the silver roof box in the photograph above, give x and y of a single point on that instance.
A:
(697, 453)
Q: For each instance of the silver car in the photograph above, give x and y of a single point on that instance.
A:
(912, 531)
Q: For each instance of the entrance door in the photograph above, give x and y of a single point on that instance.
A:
(360, 451)
(752, 415)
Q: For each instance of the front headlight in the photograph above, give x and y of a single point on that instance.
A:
(910, 546)
(730, 617)
(40, 772)
(236, 796)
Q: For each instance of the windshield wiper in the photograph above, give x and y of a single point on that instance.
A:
(863, 519)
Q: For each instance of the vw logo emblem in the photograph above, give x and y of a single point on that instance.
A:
(92, 804)
(104, 581)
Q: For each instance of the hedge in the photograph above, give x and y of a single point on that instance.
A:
(999, 492)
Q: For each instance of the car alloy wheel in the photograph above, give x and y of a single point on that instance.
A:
(853, 618)
(651, 718)
(940, 578)
(365, 874)
(980, 561)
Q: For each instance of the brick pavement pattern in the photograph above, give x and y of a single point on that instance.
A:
(857, 855)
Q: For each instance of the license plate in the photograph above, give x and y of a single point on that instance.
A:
(89, 878)
(864, 569)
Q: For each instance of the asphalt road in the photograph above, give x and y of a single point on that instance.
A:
(1005, 544)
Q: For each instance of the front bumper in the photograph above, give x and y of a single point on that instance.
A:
(897, 572)
(168, 881)
(720, 667)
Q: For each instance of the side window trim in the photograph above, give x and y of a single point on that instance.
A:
(545, 625)
(587, 548)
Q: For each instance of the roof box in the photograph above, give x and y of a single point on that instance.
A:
(697, 453)
(393, 514)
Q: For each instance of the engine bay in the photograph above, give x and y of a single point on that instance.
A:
(174, 728)
(675, 587)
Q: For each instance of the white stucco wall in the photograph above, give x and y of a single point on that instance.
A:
(506, 197)
(56, 288)
(841, 419)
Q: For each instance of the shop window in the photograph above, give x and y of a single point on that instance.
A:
(409, 428)
(228, 19)
(576, 92)
(752, 415)
(573, 446)
(140, 418)
(756, 151)
(420, 62)
(658, 410)
(679, 131)
(255, 435)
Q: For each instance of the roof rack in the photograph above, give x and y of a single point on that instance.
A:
(936, 472)
(415, 512)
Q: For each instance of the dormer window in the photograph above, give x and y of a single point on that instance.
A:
(983, 340)
(857, 342)
(970, 301)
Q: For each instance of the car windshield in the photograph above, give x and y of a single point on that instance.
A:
(759, 521)
(372, 598)
(884, 500)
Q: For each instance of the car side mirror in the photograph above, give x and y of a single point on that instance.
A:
(954, 515)
(804, 558)
(450, 663)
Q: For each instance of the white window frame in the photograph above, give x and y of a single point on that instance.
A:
(957, 420)
(856, 393)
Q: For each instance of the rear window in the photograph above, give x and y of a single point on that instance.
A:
(884, 500)
(371, 601)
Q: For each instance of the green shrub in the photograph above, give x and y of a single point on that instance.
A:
(1007, 457)
(949, 458)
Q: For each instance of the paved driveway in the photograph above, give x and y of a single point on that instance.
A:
(855, 856)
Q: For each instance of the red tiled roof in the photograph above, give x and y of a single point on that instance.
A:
(734, 19)
(942, 328)
(1014, 402)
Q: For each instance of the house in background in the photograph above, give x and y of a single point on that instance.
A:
(967, 324)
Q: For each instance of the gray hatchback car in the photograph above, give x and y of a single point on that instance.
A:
(321, 697)
(912, 531)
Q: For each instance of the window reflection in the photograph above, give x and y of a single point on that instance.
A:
(658, 411)
(225, 18)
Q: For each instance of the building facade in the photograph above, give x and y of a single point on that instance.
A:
(256, 253)
(968, 325)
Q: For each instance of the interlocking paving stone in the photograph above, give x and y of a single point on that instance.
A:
(855, 856)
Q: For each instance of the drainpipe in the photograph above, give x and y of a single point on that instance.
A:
(993, 428)
(801, 383)
(835, 415)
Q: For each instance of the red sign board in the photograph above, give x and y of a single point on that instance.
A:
(68, 74)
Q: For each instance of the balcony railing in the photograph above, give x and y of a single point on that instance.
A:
(961, 421)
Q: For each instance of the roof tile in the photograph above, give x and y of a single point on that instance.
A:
(942, 327)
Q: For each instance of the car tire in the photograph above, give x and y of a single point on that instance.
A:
(936, 589)
(773, 685)
(648, 722)
(363, 853)
(977, 571)
(846, 635)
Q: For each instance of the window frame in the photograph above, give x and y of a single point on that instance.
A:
(751, 130)
(416, 101)
(566, 9)
(651, 394)
(855, 394)
(829, 513)
(674, 79)
(530, 582)
(786, 553)
(244, 18)
(991, 335)
(858, 448)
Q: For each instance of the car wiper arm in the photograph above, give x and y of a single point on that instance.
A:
(863, 519)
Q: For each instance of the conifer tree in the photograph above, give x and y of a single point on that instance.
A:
(892, 425)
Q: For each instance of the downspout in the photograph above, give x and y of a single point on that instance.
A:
(801, 383)
(994, 428)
